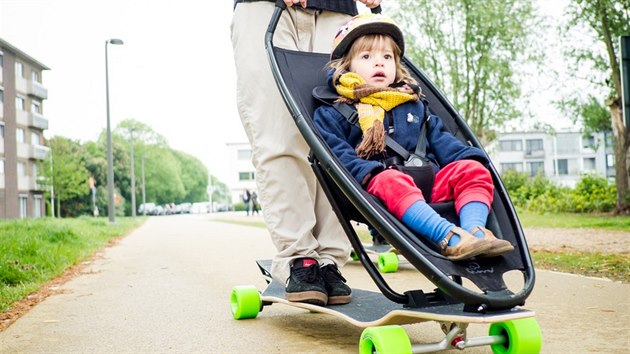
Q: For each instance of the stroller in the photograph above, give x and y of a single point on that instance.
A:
(297, 74)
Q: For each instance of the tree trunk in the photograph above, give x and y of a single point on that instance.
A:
(621, 144)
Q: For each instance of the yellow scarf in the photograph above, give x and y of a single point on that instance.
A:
(371, 103)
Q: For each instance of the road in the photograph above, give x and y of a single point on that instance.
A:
(165, 289)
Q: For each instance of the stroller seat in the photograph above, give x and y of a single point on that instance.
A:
(296, 74)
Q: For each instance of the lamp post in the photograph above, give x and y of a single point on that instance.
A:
(144, 196)
(110, 159)
(133, 178)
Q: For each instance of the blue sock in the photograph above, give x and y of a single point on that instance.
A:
(423, 220)
(473, 214)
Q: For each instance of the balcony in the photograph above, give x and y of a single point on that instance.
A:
(31, 88)
(27, 183)
(38, 121)
(534, 154)
(36, 89)
(39, 152)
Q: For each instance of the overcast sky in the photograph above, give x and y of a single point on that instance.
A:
(175, 71)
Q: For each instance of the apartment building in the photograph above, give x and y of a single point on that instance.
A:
(562, 157)
(242, 172)
(22, 125)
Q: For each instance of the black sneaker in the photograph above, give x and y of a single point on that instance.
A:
(306, 283)
(338, 291)
(377, 239)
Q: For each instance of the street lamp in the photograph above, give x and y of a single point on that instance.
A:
(144, 196)
(110, 159)
(133, 177)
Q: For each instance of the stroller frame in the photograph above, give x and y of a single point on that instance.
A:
(341, 188)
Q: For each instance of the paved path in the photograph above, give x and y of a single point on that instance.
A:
(165, 289)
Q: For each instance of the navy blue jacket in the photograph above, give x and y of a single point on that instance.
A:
(343, 138)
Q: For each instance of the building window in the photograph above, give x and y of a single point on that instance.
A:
(246, 176)
(589, 164)
(19, 103)
(610, 165)
(19, 135)
(511, 145)
(35, 76)
(35, 138)
(1, 131)
(23, 199)
(563, 167)
(35, 171)
(37, 206)
(514, 166)
(1, 166)
(534, 168)
(244, 154)
(21, 169)
(19, 69)
(588, 142)
(36, 107)
(533, 145)
(1, 96)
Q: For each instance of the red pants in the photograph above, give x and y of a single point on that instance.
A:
(463, 181)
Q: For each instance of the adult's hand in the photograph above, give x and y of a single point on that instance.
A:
(291, 2)
(369, 3)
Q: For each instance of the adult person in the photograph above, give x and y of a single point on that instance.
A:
(310, 242)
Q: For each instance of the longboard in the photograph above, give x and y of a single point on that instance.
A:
(513, 329)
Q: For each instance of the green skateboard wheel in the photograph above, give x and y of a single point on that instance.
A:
(245, 302)
(521, 336)
(354, 256)
(388, 262)
(384, 339)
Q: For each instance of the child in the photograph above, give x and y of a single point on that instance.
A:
(366, 72)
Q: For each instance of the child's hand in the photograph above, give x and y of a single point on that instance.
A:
(370, 3)
(291, 2)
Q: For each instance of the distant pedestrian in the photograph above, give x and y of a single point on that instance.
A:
(247, 197)
(255, 205)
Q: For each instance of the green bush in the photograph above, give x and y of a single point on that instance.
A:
(591, 194)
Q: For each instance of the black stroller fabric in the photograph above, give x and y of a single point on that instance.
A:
(298, 73)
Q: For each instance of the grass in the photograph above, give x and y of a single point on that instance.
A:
(35, 251)
(611, 266)
(568, 220)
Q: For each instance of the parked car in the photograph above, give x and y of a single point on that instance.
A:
(183, 208)
(150, 209)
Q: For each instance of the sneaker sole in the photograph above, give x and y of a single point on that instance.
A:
(310, 297)
(339, 300)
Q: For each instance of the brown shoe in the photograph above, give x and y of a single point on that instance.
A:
(498, 246)
(468, 246)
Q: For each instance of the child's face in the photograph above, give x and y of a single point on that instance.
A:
(376, 64)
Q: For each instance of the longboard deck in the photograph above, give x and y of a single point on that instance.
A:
(370, 308)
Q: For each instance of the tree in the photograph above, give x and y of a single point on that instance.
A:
(606, 20)
(69, 175)
(194, 176)
(471, 49)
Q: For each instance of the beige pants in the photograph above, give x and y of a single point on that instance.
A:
(298, 214)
